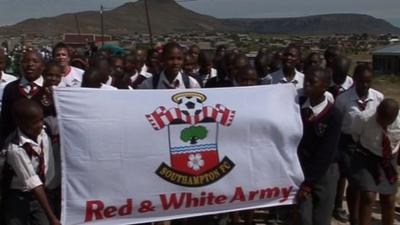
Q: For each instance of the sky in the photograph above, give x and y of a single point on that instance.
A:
(13, 11)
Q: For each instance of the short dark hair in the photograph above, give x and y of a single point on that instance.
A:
(51, 64)
(326, 75)
(60, 45)
(388, 108)
(24, 109)
(169, 47)
(360, 69)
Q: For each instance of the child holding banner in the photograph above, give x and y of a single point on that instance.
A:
(31, 173)
(317, 150)
(172, 76)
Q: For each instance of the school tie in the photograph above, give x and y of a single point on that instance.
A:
(336, 90)
(307, 113)
(295, 82)
(31, 152)
(362, 105)
(174, 85)
(387, 167)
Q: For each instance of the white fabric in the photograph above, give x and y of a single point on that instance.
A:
(107, 87)
(25, 83)
(207, 77)
(347, 84)
(5, 79)
(111, 157)
(347, 105)
(369, 133)
(144, 72)
(25, 169)
(278, 77)
(148, 83)
(73, 78)
(316, 109)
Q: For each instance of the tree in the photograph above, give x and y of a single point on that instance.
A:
(193, 134)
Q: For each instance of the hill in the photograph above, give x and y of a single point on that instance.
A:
(167, 16)
(319, 24)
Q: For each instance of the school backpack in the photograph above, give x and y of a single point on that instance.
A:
(185, 78)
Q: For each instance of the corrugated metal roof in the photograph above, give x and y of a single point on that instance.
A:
(388, 50)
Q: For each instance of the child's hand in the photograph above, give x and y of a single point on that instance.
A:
(55, 221)
(303, 194)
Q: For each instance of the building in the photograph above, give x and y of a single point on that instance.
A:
(80, 40)
(386, 60)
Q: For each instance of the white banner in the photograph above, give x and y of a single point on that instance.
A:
(151, 155)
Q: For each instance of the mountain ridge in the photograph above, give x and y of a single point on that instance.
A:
(167, 16)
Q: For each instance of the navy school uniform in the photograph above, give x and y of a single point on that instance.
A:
(14, 91)
(317, 152)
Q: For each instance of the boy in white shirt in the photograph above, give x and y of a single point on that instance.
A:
(4, 77)
(30, 158)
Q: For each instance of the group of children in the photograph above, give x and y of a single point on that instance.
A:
(351, 133)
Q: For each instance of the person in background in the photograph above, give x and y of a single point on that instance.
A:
(172, 76)
(288, 73)
(4, 77)
(206, 70)
(72, 76)
(341, 81)
(312, 60)
(262, 63)
(153, 62)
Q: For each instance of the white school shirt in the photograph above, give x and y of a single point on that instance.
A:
(207, 77)
(143, 72)
(148, 83)
(347, 84)
(25, 83)
(26, 177)
(5, 79)
(369, 133)
(278, 77)
(107, 87)
(73, 78)
(347, 104)
(316, 109)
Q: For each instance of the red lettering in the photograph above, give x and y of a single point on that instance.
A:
(110, 212)
(172, 201)
(126, 209)
(94, 208)
(239, 195)
(221, 199)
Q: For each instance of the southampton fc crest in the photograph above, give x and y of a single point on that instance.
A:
(193, 140)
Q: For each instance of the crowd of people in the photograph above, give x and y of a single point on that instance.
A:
(351, 131)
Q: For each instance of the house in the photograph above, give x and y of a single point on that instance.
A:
(387, 59)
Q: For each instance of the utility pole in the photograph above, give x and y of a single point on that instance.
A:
(102, 25)
(148, 23)
(77, 24)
